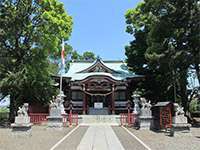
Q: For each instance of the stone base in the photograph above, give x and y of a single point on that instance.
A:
(21, 129)
(145, 122)
(22, 120)
(180, 119)
(55, 121)
(180, 129)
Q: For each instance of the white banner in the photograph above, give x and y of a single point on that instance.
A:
(98, 105)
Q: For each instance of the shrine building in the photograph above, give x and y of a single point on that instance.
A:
(99, 87)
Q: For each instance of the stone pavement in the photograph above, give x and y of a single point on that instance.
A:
(100, 138)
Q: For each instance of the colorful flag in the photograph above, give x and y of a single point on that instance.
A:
(63, 53)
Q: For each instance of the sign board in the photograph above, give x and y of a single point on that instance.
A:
(98, 105)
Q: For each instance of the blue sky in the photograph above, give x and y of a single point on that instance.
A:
(99, 26)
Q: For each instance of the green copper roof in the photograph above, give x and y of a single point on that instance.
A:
(119, 68)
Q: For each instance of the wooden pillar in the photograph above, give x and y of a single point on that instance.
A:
(84, 100)
(113, 99)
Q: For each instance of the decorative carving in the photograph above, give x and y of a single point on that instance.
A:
(98, 66)
(98, 69)
(53, 103)
(178, 109)
(145, 104)
(23, 111)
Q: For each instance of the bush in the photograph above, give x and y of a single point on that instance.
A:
(4, 110)
(4, 114)
(193, 106)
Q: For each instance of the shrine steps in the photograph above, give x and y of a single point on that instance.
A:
(102, 111)
(99, 120)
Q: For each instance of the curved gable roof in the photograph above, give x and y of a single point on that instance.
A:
(117, 70)
(98, 66)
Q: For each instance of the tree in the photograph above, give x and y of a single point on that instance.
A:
(139, 25)
(88, 55)
(169, 46)
(29, 31)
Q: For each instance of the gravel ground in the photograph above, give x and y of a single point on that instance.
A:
(72, 142)
(160, 141)
(41, 138)
(128, 142)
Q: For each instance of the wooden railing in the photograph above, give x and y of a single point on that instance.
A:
(38, 118)
(127, 119)
(73, 119)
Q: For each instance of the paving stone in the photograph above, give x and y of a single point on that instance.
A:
(100, 137)
(128, 142)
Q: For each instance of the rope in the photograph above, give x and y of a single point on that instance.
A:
(91, 94)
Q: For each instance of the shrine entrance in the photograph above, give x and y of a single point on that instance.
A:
(99, 105)
(98, 95)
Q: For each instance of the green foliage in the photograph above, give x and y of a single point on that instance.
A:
(4, 110)
(194, 106)
(88, 55)
(30, 32)
(4, 114)
(165, 45)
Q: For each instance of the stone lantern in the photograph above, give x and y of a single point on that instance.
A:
(136, 100)
(60, 98)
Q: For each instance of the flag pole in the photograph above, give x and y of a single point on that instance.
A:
(60, 83)
(62, 64)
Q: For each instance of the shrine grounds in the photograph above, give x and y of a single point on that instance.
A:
(44, 139)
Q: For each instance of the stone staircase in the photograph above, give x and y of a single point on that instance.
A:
(99, 120)
(102, 111)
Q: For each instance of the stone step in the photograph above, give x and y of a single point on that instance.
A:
(93, 111)
(99, 119)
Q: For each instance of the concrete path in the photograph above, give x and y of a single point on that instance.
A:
(100, 138)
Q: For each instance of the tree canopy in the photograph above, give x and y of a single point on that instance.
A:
(29, 31)
(88, 56)
(165, 45)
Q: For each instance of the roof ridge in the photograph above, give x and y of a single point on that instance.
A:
(104, 61)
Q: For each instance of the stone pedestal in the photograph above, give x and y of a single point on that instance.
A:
(55, 118)
(55, 121)
(145, 122)
(21, 129)
(180, 126)
(145, 118)
(22, 120)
